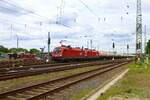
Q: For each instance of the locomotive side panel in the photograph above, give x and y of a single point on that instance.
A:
(72, 53)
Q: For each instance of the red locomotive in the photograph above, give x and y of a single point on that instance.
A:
(63, 52)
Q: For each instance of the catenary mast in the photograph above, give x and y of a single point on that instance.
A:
(139, 30)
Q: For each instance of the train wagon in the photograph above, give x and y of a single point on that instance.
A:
(91, 54)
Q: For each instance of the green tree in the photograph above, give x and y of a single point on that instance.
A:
(35, 51)
(148, 48)
(17, 50)
(3, 49)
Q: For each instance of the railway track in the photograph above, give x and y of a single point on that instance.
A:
(6, 69)
(47, 89)
(40, 70)
(3, 70)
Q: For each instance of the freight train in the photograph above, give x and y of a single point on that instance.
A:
(66, 53)
(21, 56)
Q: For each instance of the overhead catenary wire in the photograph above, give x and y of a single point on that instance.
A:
(21, 8)
(60, 10)
(29, 11)
(92, 12)
(33, 13)
(11, 22)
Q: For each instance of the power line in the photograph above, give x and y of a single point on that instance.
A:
(29, 11)
(60, 10)
(26, 10)
(89, 9)
(14, 22)
(18, 7)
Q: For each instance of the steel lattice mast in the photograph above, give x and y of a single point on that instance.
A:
(139, 30)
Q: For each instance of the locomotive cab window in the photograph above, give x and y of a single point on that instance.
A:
(57, 50)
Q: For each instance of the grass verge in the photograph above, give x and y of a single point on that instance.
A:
(134, 86)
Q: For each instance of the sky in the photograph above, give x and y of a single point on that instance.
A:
(75, 22)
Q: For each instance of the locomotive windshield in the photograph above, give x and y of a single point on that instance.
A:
(57, 50)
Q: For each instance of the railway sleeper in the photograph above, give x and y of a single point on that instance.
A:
(49, 85)
(49, 98)
(31, 92)
(14, 98)
(22, 95)
(44, 88)
(53, 97)
(38, 90)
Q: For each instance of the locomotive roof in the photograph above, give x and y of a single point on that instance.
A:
(77, 48)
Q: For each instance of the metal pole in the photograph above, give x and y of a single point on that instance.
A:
(113, 51)
(42, 49)
(91, 43)
(48, 46)
(127, 51)
(145, 39)
(87, 44)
